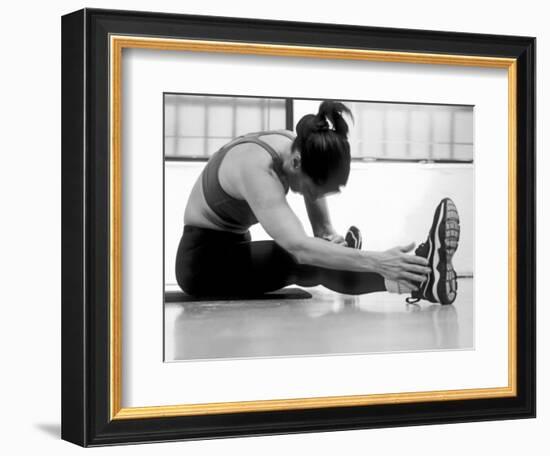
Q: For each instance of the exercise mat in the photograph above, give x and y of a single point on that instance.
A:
(283, 293)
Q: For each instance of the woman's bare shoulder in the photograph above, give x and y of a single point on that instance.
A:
(250, 155)
(244, 162)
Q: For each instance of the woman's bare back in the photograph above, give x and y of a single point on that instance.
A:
(198, 213)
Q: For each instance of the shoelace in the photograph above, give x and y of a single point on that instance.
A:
(420, 247)
(410, 299)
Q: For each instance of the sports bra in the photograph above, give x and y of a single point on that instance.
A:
(235, 214)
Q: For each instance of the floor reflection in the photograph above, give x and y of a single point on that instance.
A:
(329, 323)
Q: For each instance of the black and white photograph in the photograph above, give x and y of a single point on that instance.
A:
(313, 227)
(292, 225)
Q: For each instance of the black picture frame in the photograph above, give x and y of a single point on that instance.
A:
(86, 336)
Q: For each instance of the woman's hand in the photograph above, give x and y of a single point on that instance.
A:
(397, 264)
(335, 238)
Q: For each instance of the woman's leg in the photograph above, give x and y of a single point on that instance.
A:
(346, 282)
(216, 264)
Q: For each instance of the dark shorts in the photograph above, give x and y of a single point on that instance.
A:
(220, 263)
(212, 262)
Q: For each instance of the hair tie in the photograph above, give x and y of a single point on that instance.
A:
(323, 124)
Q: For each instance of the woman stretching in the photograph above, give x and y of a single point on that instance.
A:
(246, 182)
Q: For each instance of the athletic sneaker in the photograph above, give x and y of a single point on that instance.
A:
(441, 285)
(353, 238)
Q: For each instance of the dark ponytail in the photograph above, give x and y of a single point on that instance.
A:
(322, 140)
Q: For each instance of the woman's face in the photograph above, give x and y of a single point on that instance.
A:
(312, 191)
(299, 182)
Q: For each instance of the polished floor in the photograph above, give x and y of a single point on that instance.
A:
(328, 323)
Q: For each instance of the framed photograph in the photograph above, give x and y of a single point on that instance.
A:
(277, 227)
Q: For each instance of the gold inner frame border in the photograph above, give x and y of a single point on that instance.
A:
(116, 46)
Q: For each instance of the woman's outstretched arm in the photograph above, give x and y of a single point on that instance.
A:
(264, 193)
(319, 218)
